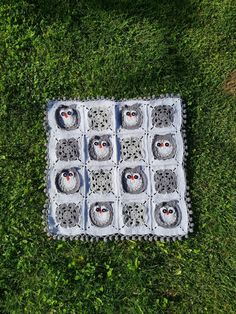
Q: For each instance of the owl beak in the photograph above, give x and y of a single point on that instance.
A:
(132, 177)
(66, 115)
(167, 213)
(100, 145)
(162, 144)
(68, 178)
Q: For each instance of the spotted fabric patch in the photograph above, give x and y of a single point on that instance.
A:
(68, 215)
(132, 149)
(99, 119)
(115, 169)
(134, 214)
(100, 181)
(67, 149)
(162, 116)
(165, 181)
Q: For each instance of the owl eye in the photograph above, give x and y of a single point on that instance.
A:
(158, 144)
(96, 143)
(128, 113)
(104, 210)
(64, 174)
(128, 176)
(164, 210)
(71, 174)
(63, 113)
(97, 209)
(171, 211)
(134, 113)
(104, 144)
(136, 176)
(69, 113)
(167, 144)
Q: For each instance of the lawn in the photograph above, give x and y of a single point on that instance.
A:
(122, 49)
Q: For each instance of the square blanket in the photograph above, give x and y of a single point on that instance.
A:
(115, 169)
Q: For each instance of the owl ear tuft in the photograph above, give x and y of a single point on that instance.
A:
(105, 137)
(62, 107)
(173, 203)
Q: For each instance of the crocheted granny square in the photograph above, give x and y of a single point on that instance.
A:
(115, 169)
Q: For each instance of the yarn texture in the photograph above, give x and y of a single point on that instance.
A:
(116, 169)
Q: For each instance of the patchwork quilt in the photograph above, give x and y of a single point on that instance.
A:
(115, 169)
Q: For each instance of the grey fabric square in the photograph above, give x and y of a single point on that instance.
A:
(165, 181)
(134, 214)
(162, 116)
(68, 215)
(67, 149)
(100, 181)
(132, 149)
(99, 118)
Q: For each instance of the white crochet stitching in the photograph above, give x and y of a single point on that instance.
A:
(133, 204)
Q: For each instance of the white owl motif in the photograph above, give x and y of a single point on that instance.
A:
(100, 148)
(68, 181)
(168, 214)
(163, 146)
(131, 116)
(67, 117)
(134, 180)
(101, 214)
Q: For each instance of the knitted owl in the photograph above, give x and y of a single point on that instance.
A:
(134, 180)
(163, 146)
(131, 117)
(101, 214)
(68, 181)
(168, 214)
(67, 117)
(100, 148)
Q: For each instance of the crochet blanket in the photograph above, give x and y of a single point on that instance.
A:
(115, 169)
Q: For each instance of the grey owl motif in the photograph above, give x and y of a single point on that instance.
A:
(68, 181)
(101, 214)
(134, 180)
(67, 117)
(100, 148)
(131, 117)
(163, 146)
(168, 214)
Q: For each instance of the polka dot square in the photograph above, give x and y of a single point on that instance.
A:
(115, 169)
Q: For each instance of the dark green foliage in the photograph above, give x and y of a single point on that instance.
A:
(123, 49)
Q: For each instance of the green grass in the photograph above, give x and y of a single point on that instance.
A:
(122, 49)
